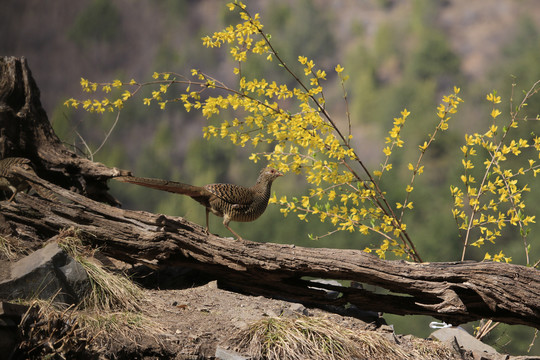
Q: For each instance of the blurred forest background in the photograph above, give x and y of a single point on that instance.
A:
(399, 54)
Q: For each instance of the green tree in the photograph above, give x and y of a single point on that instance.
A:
(98, 23)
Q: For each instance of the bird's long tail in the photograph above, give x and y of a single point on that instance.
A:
(165, 185)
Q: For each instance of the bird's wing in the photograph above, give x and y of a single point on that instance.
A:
(7, 164)
(232, 194)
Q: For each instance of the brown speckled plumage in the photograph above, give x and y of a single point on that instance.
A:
(10, 181)
(232, 202)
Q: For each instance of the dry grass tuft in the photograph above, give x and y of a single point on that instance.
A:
(109, 291)
(115, 330)
(107, 321)
(432, 349)
(47, 331)
(8, 250)
(312, 338)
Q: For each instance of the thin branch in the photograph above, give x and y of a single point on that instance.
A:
(108, 133)
(90, 155)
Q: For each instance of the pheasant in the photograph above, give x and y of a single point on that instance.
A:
(232, 202)
(14, 183)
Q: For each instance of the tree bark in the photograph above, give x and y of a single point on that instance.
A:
(455, 292)
(25, 131)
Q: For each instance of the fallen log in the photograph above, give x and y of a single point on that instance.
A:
(455, 292)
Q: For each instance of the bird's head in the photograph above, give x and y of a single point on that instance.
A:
(269, 174)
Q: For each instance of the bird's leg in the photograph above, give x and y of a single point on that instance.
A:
(226, 221)
(207, 227)
(14, 189)
(235, 234)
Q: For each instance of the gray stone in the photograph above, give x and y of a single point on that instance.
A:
(294, 310)
(10, 317)
(75, 276)
(46, 273)
(330, 294)
(224, 354)
(465, 340)
(273, 313)
(241, 325)
(299, 308)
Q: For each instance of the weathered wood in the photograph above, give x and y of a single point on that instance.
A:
(455, 292)
(25, 131)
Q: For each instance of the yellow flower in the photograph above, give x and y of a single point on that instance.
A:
(495, 113)
(492, 97)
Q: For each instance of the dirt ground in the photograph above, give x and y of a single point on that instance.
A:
(198, 319)
(193, 322)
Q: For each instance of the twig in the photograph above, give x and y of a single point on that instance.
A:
(108, 133)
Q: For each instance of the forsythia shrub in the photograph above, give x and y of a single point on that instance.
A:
(305, 139)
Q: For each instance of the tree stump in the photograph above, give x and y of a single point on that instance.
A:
(25, 131)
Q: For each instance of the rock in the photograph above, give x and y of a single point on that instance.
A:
(294, 310)
(466, 342)
(10, 317)
(299, 308)
(224, 354)
(347, 309)
(239, 324)
(330, 294)
(46, 273)
(75, 277)
(273, 313)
